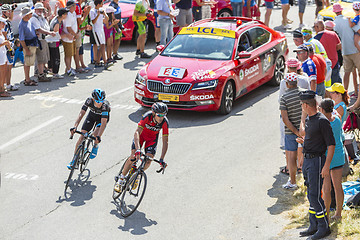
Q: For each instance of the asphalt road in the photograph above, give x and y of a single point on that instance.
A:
(222, 181)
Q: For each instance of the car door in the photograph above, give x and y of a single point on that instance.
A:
(247, 68)
(265, 51)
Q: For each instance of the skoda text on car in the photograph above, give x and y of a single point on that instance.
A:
(209, 64)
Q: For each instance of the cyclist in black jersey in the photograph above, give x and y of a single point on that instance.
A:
(98, 116)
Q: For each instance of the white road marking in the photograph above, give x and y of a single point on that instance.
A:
(31, 131)
(120, 91)
(21, 176)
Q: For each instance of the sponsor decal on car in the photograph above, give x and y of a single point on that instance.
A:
(208, 31)
(141, 92)
(171, 72)
(203, 74)
(267, 62)
(252, 71)
(241, 74)
(201, 97)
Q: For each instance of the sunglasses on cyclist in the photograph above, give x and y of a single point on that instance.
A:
(160, 114)
(99, 101)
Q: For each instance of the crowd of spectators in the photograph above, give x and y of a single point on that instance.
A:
(314, 100)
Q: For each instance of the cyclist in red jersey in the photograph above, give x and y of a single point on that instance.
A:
(148, 132)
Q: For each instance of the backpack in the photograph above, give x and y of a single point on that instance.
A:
(353, 201)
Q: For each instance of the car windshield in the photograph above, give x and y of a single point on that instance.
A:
(200, 46)
(128, 1)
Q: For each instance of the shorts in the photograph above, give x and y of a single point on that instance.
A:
(141, 28)
(78, 40)
(156, 15)
(254, 11)
(30, 60)
(337, 167)
(302, 5)
(318, 3)
(99, 38)
(150, 146)
(81, 50)
(117, 35)
(184, 18)
(284, 1)
(290, 142)
(269, 5)
(10, 58)
(69, 48)
(351, 61)
(92, 120)
(43, 55)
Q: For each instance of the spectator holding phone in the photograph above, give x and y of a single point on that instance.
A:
(164, 10)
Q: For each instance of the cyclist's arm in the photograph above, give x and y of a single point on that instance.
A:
(102, 126)
(165, 139)
(137, 137)
(81, 115)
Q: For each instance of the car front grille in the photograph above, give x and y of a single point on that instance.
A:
(174, 88)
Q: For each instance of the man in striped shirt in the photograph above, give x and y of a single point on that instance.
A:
(291, 111)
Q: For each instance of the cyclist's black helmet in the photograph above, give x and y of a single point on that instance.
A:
(98, 94)
(159, 107)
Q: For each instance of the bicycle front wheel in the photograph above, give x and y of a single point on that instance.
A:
(76, 158)
(133, 193)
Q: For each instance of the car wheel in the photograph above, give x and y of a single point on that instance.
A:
(279, 72)
(225, 13)
(227, 99)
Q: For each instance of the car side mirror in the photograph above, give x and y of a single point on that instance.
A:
(243, 55)
(160, 48)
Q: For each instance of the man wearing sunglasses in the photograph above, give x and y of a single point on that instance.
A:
(148, 132)
(98, 116)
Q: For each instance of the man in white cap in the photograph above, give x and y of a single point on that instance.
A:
(291, 111)
(42, 28)
(29, 42)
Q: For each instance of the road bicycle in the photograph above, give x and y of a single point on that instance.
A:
(82, 154)
(133, 189)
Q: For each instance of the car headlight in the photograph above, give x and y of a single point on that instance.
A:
(140, 79)
(124, 20)
(205, 85)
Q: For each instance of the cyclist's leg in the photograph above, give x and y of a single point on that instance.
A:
(96, 146)
(131, 159)
(150, 150)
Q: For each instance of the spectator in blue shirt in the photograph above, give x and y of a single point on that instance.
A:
(165, 19)
(308, 66)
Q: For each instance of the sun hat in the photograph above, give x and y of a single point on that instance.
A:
(291, 77)
(25, 11)
(5, 7)
(336, 87)
(337, 8)
(39, 5)
(293, 63)
(329, 24)
(356, 5)
(110, 9)
(306, 30)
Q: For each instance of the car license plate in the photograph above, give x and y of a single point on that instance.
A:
(165, 97)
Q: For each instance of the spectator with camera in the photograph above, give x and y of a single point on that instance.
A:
(118, 29)
(141, 12)
(42, 28)
(7, 14)
(97, 16)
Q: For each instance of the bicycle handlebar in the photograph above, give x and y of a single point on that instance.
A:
(162, 169)
(84, 134)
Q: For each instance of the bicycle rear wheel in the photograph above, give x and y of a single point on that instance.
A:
(76, 158)
(133, 193)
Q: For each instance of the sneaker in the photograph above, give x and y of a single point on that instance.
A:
(301, 25)
(58, 76)
(14, 87)
(94, 152)
(353, 95)
(289, 185)
(43, 78)
(137, 52)
(70, 73)
(117, 57)
(144, 55)
(287, 26)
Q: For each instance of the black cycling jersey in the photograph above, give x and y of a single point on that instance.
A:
(104, 110)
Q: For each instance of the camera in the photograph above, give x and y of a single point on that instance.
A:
(13, 6)
(101, 11)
